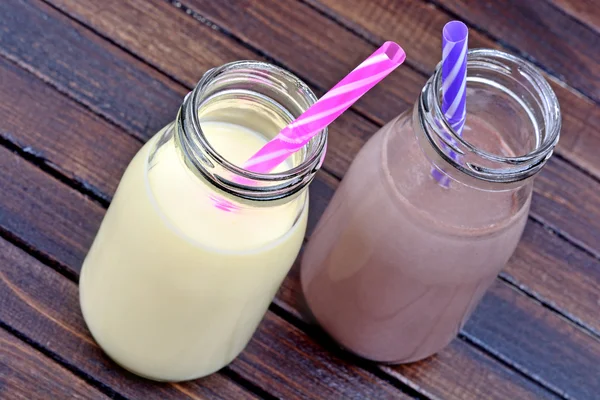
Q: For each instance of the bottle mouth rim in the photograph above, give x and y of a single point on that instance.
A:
(248, 184)
(196, 102)
(519, 167)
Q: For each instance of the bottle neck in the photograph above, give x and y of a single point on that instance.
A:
(512, 125)
(254, 96)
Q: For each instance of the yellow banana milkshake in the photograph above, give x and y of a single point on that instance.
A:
(175, 283)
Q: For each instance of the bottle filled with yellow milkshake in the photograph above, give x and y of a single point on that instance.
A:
(193, 247)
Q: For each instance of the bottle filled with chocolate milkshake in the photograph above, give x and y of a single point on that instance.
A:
(399, 261)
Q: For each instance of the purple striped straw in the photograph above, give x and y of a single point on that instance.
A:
(337, 100)
(454, 86)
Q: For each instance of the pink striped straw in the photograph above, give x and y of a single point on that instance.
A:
(298, 133)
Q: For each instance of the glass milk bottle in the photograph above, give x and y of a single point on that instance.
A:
(193, 248)
(398, 262)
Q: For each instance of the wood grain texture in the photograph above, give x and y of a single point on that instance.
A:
(543, 33)
(198, 53)
(321, 201)
(570, 202)
(48, 125)
(306, 360)
(95, 74)
(77, 211)
(288, 21)
(526, 345)
(280, 358)
(557, 274)
(585, 11)
(44, 306)
(245, 18)
(26, 374)
(503, 327)
(556, 202)
(460, 371)
(417, 26)
(279, 349)
(346, 139)
(91, 209)
(574, 371)
(299, 42)
(28, 209)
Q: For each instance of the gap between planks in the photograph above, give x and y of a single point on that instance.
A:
(90, 380)
(358, 33)
(198, 17)
(102, 200)
(571, 16)
(510, 47)
(508, 363)
(66, 272)
(380, 370)
(286, 315)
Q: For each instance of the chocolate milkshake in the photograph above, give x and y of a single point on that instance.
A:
(398, 263)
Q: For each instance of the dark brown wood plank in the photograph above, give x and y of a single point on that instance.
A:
(338, 161)
(417, 26)
(280, 358)
(307, 46)
(250, 20)
(347, 134)
(345, 142)
(65, 219)
(204, 50)
(34, 112)
(557, 274)
(348, 379)
(26, 374)
(516, 329)
(279, 349)
(563, 46)
(586, 11)
(44, 306)
(570, 201)
(98, 78)
(55, 232)
(313, 196)
(527, 347)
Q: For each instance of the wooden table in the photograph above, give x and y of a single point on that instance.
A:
(84, 83)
